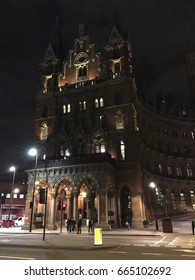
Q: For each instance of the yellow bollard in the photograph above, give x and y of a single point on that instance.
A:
(97, 236)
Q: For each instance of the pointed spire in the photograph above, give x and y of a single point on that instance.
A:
(81, 30)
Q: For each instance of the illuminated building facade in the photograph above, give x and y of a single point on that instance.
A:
(102, 144)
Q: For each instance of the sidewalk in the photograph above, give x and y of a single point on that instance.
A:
(85, 241)
(56, 239)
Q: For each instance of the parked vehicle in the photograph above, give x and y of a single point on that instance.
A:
(1, 224)
(19, 222)
(11, 223)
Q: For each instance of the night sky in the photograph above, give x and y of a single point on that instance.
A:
(159, 30)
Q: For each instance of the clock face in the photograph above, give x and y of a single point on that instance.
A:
(81, 58)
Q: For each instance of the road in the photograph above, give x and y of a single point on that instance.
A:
(74, 247)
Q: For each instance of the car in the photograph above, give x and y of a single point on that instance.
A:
(19, 222)
(11, 223)
(1, 224)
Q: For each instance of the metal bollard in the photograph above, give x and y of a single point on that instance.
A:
(192, 227)
(156, 222)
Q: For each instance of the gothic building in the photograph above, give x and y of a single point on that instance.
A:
(99, 144)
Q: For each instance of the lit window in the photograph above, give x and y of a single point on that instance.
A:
(80, 106)
(68, 108)
(192, 135)
(99, 144)
(8, 195)
(101, 119)
(84, 105)
(119, 120)
(101, 102)
(122, 150)
(15, 195)
(102, 148)
(160, 168)
(21, 196)
(64, 109)
(96, 103)
(44, 131)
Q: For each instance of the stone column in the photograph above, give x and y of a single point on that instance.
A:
(51, 212)
(75, 206)
(68, 207)
(137, 210)
(27, 213)
(103, 211)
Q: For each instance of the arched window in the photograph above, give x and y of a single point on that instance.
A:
(84, 105)
(64, 109)
(96, 103)
(99, 145)
(122, 150)
(44, 131)
(68, 108)
(101, 102)
(119, 120)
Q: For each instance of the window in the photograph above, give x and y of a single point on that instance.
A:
(119, 120)
(189, 172)
(21, 196)
(44, 131)
(99, 103)
(178, 171)
(169, 170)
(96, 103)
(99, 144)
(15, 195)
(160, 168)
(82, 73)
(64, 109)
(185, 135)
(122, 150)
(192, 135)
(82, 105)
(68, 108)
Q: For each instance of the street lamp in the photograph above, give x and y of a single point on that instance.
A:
(153, 186)
(46, 195)
(33, 152)
(12, 169)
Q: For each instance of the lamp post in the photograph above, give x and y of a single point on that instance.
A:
(33, 152)
(153, 186)
(12, 169)
(46, 194)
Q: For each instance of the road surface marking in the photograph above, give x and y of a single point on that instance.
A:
(19, 258)
(117, 252)
(157, 254)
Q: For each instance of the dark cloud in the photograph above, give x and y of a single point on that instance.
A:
(159, 30)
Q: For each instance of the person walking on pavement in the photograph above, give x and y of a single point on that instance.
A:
(79, 225)
(90, 226)
(69, 225)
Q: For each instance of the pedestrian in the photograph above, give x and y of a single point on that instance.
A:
(69, 225)
(90, 226)
(79, 225)
(73, 224)
(128, 224)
